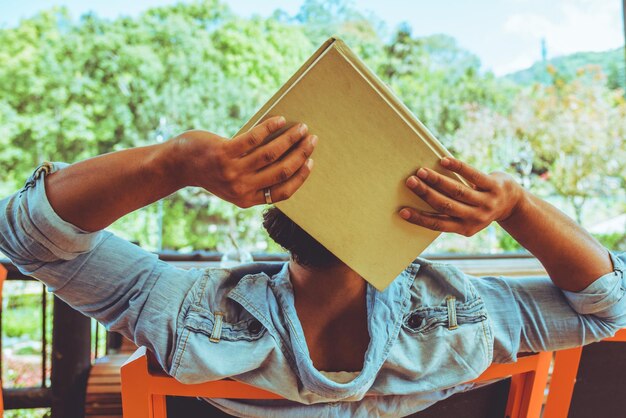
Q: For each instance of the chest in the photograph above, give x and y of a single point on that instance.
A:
(336, 342)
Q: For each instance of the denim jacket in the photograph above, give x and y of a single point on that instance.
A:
(431, 331)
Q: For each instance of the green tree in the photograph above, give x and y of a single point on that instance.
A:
(321, 19)
(576, 130)
(437, 79)
(73, 89)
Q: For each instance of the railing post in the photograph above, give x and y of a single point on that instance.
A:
(71, 360)
(624, 26)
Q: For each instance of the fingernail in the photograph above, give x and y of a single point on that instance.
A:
(314, 140)
(309, 163)
(445, 161)
(411, 182)
(422, 173)
(282, 120)
(303, 129)
(405, 214)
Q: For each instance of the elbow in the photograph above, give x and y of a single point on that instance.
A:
(605, 298)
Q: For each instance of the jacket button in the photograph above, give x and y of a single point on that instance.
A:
(254, 327)
(414, 321)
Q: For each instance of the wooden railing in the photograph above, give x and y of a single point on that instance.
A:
(69, 360)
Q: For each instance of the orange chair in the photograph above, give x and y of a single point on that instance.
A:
(145, 387)
(564, 375)
(3, 276)
(529, 378)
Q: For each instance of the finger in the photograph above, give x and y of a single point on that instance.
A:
(449, 187)
(268, 153)
(286, 167)
(248, 141)
(431, 221)
(285, 190)
(480, 179)
(439, 202)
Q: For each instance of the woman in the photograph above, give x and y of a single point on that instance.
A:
(310, 330)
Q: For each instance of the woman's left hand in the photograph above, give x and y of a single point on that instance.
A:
(462, 209)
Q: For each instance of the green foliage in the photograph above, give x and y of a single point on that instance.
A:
(574, 130)
(28, 413)
(22, 321)
(615, 242)
(27, 350)
(437, 80)
(610, 63)
(508, 244)
(75, 89)
(321, 19)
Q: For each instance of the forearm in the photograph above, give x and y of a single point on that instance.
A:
(93, 193)
(570, 255)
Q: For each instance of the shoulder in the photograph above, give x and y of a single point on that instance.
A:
(223, 280)
(446, 321)
(222, 289)
(436, 282)
(225, 316)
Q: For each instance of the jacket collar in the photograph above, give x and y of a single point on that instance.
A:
(385, 311)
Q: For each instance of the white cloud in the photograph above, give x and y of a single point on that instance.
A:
(580, 25)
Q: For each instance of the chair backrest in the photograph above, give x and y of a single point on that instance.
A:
(3, 276)
(145, 387)
(488, 401)
(588, 381)
(529, 377)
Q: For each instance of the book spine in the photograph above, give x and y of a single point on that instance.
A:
(260, 114)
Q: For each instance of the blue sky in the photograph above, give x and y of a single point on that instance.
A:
(505, 34)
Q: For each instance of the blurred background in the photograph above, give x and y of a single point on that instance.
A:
(530, 87)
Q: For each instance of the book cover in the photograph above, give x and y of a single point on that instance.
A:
(369, 144)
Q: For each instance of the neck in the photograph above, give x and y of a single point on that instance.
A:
(338, 282)
(330, 303)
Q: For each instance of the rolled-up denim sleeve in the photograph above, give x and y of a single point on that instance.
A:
(121, 285)
(532, 314)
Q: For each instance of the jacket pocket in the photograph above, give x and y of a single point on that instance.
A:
(426, 319)
(215, 325)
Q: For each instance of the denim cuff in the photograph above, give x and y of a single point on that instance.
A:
(43, 224)
(605, 296)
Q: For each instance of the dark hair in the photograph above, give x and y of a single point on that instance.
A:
(304, 249)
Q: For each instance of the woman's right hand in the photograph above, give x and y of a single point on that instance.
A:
(240, 169)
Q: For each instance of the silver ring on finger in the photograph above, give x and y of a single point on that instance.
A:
(268, 195)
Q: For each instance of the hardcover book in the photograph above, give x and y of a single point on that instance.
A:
(369, 144)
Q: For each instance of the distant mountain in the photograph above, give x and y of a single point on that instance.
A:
(611, 62)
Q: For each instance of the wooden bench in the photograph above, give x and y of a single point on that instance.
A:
(103, 397)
